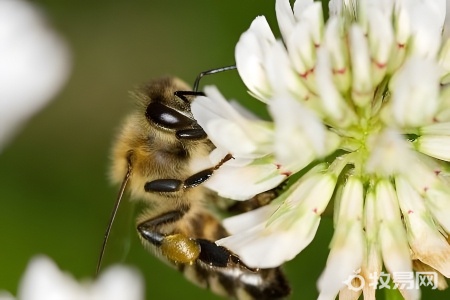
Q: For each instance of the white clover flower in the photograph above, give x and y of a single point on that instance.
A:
(34, 64)
(363, 101)
(44, 281)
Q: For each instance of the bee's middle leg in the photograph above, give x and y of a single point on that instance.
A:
(175, 185)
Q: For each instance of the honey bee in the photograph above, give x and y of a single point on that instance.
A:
(153, 158)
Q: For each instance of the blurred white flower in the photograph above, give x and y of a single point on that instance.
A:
(363, 102)
(44, 281)
(34, 64)
(6, 296)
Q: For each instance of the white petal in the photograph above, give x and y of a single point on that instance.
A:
(436, 129)
(402, 23)
(245, 182)
(335, 44)
(118, 283)
(311, 12)
(439, 204)
(351, 202)
(264, 247)
(392, 235)
(282, 76)
(387, 205)
(370, 217)
(262, 30)
(381, 38)
(243, 111)
(444, 58)
(385, 6)
(342, 262)
(34, 65)
(255, 130)
(402, 35)
(390, 154)
(218, 154)
(298, 130)
(250, 52)
(427, 27)
(228, 130)
(335, 7)
(288, 230)
(334, 106)
(241, 222)
(44, 281)
(427, 243)
(438, 10)
(228, 135)
(312, 191)
(302, 50)
(215, 106)
(372, 264)
(443, 113)
(285, 17)
(348, 244)
(415, 93)
(338, 53)
(301, 8)
(361, 67)
(437, 146)
(424, 174)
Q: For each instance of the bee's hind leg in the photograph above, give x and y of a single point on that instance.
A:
(179, 248)
(175, 247)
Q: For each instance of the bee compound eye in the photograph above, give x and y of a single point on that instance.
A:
(166, 117)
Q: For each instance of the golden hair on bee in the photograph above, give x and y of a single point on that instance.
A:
(148, 138)
(161, 157)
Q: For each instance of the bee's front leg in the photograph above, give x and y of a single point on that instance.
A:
(179, 248)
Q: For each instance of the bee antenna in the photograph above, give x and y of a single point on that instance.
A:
(209, 72)
(113, 216)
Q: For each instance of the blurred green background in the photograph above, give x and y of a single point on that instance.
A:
(55, 196)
